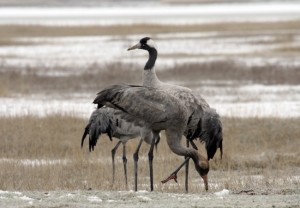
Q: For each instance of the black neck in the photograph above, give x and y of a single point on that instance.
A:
(152, 58)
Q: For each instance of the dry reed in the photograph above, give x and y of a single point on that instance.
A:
(45, 154)
(96, 77)
(10, 31)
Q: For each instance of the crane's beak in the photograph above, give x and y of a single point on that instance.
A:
(204, 177)
(137, 46)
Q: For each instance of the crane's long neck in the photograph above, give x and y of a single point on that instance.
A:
(152, 58)
(150, 78)
(174, 142)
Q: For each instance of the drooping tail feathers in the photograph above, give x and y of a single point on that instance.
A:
(211, 132)
(100, 123)
(85, 133)
(208, 128)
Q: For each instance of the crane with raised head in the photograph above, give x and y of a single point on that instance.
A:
(154, 110)
(208, 131)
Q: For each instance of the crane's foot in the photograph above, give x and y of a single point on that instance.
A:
(172, 176)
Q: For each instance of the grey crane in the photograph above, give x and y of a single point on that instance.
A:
(207, 130)
(107, 121)
(154, 110)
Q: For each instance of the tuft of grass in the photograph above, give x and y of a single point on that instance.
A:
(45, 154)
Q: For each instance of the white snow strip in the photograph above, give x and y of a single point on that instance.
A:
(75, 54)
(178, 14)
(259, 109)
(10, 192)
(26, 198)
(224, 192)
(144, 198)
(36, 162)
(83, 108)
(224, 9)
(40, 107)
(94, 199)
(142, 192)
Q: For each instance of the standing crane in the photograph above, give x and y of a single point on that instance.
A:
(154, 110)
(206, 130)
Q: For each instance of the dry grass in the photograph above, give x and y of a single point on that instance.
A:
(11, 31)
(235, 71)
(263, 148)
(96, 77)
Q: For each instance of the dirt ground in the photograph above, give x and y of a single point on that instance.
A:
(92, 198)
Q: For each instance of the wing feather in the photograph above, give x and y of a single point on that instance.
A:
(141, 104)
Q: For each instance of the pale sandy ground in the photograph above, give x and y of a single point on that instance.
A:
(225, 198)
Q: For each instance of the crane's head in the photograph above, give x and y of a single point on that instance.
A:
(202, 168)
(201, 165)
(145, 44)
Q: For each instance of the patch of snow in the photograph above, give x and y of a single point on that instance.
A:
(94, 199)
(281, 109)
(142, 192)
(35, 162)
(10, 192)
(144, 198)
(222, 193)
(295, 179)
(40, 107)
(26, 198)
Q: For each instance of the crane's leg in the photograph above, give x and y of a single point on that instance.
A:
(193, 145)
(125, 162)
(174, 174)
(136, 158)
(150, 157)
(187, 170)
(113, 152)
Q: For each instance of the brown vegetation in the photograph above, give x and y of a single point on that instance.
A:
(10, 31)
(96, 77)
(263, 148)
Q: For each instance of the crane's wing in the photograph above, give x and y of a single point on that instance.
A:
(140, 105)
(194, 106)
(203, 123)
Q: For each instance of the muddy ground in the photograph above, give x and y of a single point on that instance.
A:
(93, 198)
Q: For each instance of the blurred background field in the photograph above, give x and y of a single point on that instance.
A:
(242, 57)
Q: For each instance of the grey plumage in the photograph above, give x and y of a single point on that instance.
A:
(108, 121)
(211, 132)
(196, 106)
(154, 110)
(100, 122)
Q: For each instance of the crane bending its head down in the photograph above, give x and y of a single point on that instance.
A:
(155, 110)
